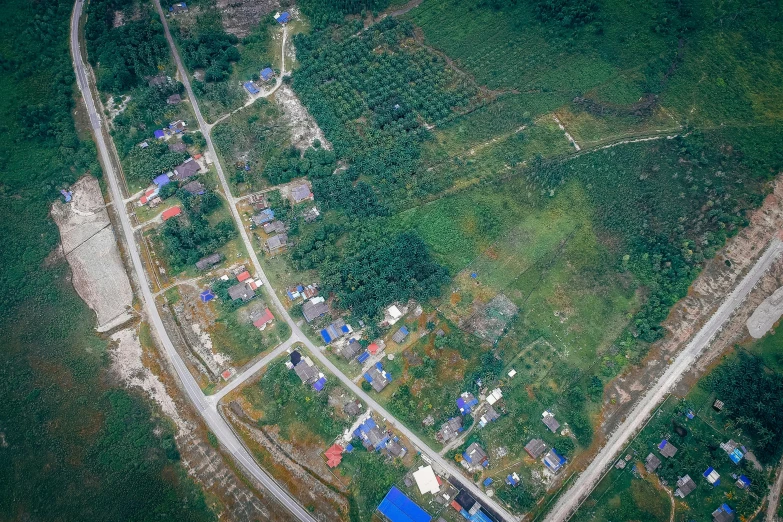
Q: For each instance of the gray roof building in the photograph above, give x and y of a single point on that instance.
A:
(449, 429)
(187, 169)
(395, 449)
(194, 188)
(535, 448)
(177, 147)
(400, 335)
(667, 449)
(685, 485)
(551, 423)
(174, 99)
(475, 455)
(490, 415)
(353, 407)
(306, 371)
(208, 262)
(241, 291)
(379, 379)
(651, 463)
(313, 311)
(274, 227)
(351, 349)
(301, 193)
(276, 242)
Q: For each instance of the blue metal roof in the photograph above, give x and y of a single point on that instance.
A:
(736, 455)
(159, 133)
(325, 334)
(367, 377)
(207, 296)
(319, 384)
(404, 330)
(488, 481)
(251, 88)
(745, 480)
(363, 357)
(161, 180)
(284, 17)
(345, 328)
(365, 426)
(267, 73)
(349, 448)
(300, 288)
(397, 507)
(663, 444)
(379, 366)
(478, 516)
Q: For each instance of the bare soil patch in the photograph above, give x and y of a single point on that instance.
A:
(90, 246)
(304, 129)
(239, 17)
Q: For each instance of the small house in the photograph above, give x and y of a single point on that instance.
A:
(685, 486)
(494, 396)
(277, 242)
(334, 455)
(667, 449)
(283, 18)
(450, 429)
(712, 476)
(177, 127)
(743, 482)
(723, 514)
(554, 461)
(335, 331)
(170, 213)
(535, 448)
(159, 134)
(395, 449)
(274, 227)
(208, 262)
(241, 291)
(548, 418)
(353, 407)
(301, 193)
(651, 463)
(466, 402)
(487, 482)
(377, 377)
(251, 88)
(320, 383)
(179, 7)
(194, 188)
(400, 335)
(174, 99)
(295, 358)
(717, 405)
(311, 215)
(161, 180)
(313, 311)
(351, 349)
(157, 81)
(186, 169)
(265, 319)
(372, 437)
(475, 456)
(489, 415)
(149, 195)
(307, 371)
(513, 480)
(206, 296)
(243, 276)
(265, 216)
(267, 74)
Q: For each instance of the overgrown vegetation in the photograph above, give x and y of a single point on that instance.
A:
(63, 421)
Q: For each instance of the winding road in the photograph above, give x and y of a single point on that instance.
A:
(581, 488)
(214, 421)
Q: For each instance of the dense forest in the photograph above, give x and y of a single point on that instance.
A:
(74, 445)
(126, 43)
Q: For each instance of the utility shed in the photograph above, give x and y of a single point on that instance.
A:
(397, 507)
(535, 448)
(400, 335)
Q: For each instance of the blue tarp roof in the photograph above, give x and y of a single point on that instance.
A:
(325, 334)
(397, 507)
(365, 426)
(663, 444)
(267, 73)
(159, 133)
(300, 288)
(319, 384)
(404, 330)
(736, 455)
(367, 377)
(161, 180)
(284, 17)
(251, 88)
(345, 328)
(207, 296)
(488, 481)
(349, 448)
(363, 357)
(745, 480)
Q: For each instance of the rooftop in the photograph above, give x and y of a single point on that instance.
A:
(397, 507)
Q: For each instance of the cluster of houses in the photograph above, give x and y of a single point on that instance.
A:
(182, 172)
(174, 128)
(275, 229)
(685, 484)
(266, 75)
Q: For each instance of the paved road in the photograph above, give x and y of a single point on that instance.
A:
(245, 375)
(572, 498)
(215, 422)
(297, 335)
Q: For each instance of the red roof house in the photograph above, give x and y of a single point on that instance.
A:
(244, 276)
(334, 455)
(170, 213)
(456, 505)
(373, 348)
(264, 320)
(149, 194)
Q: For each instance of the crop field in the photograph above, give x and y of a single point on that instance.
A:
(305, 423)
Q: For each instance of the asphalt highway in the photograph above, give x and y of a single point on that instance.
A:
(213, 419)
(581, 488)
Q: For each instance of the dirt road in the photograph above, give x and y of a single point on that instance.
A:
(634, 421)
(774, 495)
